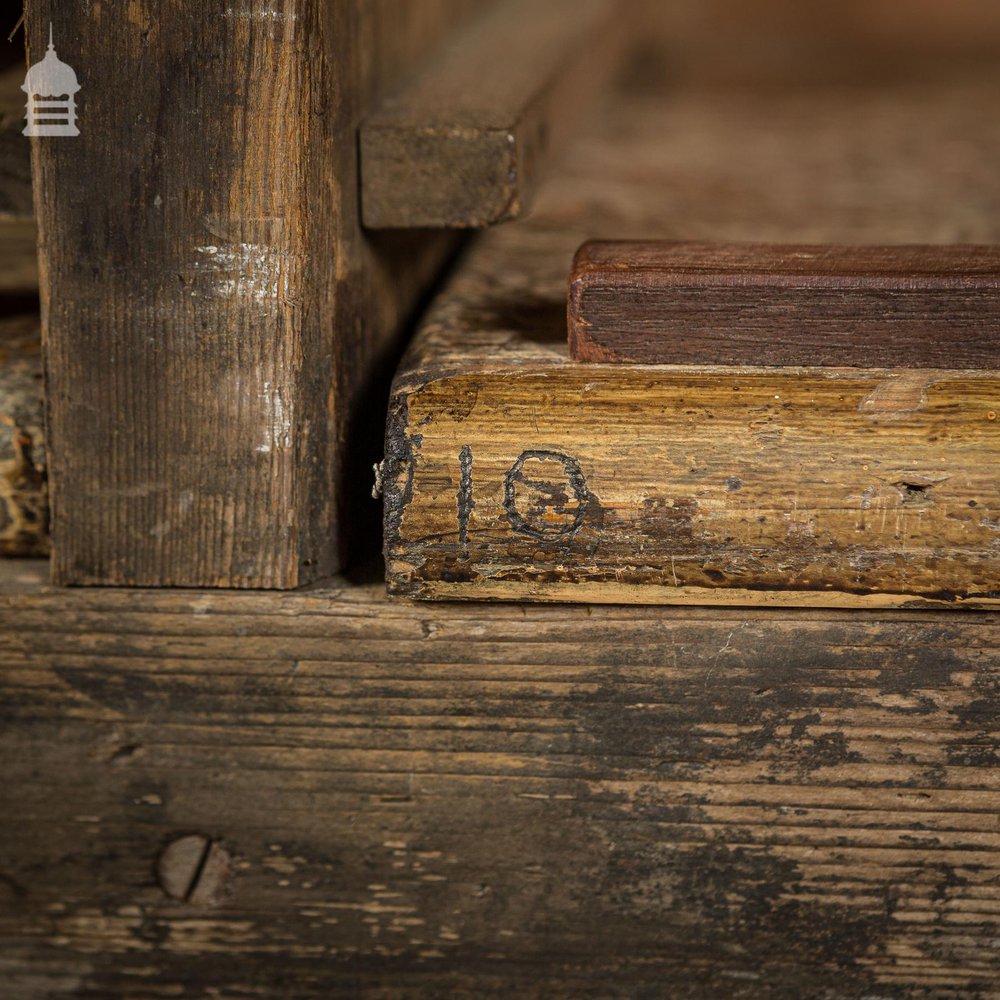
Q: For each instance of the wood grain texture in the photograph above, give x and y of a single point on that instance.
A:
(766, 304)
(709, 485)
(214, 314)
(495, 800)
(464, 143)
(514, 474)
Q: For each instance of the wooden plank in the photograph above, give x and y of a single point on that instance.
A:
(241, 317)
(464, 143)
(765, 304)
(512, 473)
(15, 152)
(823, 487)
(494, 800)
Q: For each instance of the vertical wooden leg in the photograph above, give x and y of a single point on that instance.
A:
(212, 308)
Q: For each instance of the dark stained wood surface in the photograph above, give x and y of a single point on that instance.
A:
(464, 143)
(215, 317)
(766, 304)
(494, 800)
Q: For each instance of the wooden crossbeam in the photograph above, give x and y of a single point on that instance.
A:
(465, 142)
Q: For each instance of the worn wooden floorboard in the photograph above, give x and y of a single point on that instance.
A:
(499, 800)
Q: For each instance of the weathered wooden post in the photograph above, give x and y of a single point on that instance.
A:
(211, 306)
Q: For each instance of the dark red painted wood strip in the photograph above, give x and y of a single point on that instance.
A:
(765, 304)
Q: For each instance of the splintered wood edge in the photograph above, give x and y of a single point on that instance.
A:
(448, 152)
(652, 595)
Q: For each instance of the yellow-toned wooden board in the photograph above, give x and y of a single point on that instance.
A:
(686, 485)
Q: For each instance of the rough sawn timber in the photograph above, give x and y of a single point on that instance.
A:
(472, 800)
